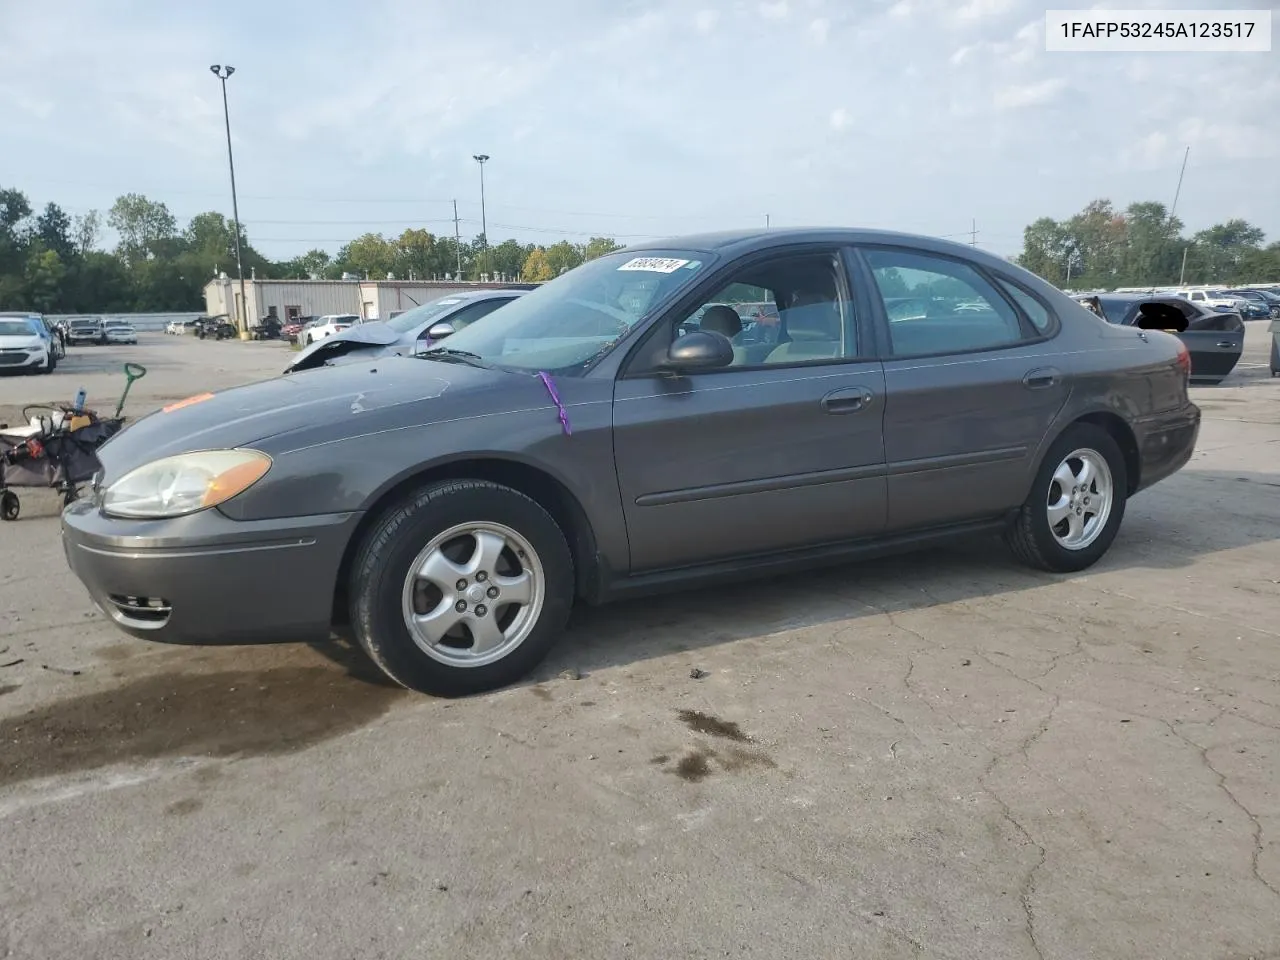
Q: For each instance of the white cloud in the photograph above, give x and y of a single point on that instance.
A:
(705, 20)
(1029, 95)
(819, 29)
(839, 119)
(981, 9)
(776, 10)
(901, 10)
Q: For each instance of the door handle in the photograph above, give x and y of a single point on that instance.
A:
(1226, 344)
(1041, 378)
(849, 400)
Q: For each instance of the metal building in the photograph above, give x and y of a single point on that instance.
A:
(287, 300)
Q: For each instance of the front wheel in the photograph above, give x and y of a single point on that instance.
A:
(1076, 503)
(462, 587)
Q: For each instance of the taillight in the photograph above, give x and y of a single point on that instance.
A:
(1184, 360)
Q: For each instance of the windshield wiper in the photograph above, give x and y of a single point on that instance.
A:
(454, 356)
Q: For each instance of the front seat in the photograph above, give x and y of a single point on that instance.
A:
(812, 332)
(723, 320)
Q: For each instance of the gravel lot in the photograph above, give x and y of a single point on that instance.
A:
(935, 756)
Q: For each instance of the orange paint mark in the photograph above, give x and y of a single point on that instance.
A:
(190, 401)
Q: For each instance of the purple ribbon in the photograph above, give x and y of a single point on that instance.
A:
(555, 397)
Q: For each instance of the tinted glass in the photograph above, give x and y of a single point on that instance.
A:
(961, 310)
(1036, 311)
(15, 328)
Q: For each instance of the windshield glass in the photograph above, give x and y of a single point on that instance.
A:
(570, 321)
(16, 328)
(420, 314)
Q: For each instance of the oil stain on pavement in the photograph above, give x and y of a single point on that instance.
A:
(213, 713)
(700, 762)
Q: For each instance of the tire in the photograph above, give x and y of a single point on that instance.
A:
(1032, 537)
(10, 506)
(50, 363)
(382, 595)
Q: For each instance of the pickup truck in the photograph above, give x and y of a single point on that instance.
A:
(86, 330)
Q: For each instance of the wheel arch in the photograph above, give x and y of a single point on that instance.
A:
(537, 484)
(1119, 430)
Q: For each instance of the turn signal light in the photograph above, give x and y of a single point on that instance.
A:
(1184, 360)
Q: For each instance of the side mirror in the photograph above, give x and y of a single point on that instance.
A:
(440, 331)
(699, 350)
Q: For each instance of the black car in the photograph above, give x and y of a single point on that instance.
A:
(1266, 299)
(1214, 339)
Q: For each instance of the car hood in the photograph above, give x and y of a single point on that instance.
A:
(319, 406)
(362, 336)
(21, 341)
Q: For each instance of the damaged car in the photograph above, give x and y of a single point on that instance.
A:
(406, 334)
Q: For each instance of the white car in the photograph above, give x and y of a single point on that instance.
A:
(179, 327)
(327, 326)
(1214, 299)
(119, 331)
(22, 347)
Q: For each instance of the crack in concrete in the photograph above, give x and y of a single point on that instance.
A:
(1223, 786)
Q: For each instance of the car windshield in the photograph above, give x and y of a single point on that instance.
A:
(421, 314)
(16, 328)
(572, 320)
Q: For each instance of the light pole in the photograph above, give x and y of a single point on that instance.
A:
(242, 318)
(481, 158)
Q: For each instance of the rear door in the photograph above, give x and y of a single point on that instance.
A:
(972, 385)
(780, 450)
(1215, 340)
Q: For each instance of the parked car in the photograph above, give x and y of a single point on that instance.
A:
(1215, 340)
(293, 328)
(410, 332)
(571, 447)
(1263, 305)
(119, 331)
(216, 328)
(327, 326)
(26, 346)
(180, 328)
(86, 330)
(50, 331)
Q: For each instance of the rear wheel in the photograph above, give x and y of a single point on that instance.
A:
(10, 505)
(462, 587)
(1076, 503)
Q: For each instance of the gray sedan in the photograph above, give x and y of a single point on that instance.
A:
(408, 333)
(574, 446)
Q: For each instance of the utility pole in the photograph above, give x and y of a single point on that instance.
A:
(482, 158)
(457, 240)
(1182, 276)
(766, 221)
(973, 233)
(223, 74)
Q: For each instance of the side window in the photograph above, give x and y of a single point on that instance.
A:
(783, 311)
(951, 307)
(1036, 311)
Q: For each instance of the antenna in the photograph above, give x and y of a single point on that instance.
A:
(1177, 193)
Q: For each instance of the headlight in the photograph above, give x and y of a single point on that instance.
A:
(184, 484)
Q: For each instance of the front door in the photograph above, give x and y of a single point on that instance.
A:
(972, 387)
(782, 449)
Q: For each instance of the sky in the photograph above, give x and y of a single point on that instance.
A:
(626, 119)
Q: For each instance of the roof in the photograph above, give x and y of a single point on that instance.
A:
(737, 242)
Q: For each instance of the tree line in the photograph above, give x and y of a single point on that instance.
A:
(53, 263)
(1143, 246)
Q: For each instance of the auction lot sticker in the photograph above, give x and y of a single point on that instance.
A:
(654, 264)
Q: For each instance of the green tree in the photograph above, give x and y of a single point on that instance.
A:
(84, 231)
(1223, 250)
(1046, 250)
(370, 255)
(313, 263)
(146, 227)
(598, 247)
(508, 257)
(562, 257)
(1152, 252)
(53, 230)
(43, 280)
(415, 254)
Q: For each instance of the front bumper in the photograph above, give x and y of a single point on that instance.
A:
(207, 579)
(24, 360)
(1166, 443)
